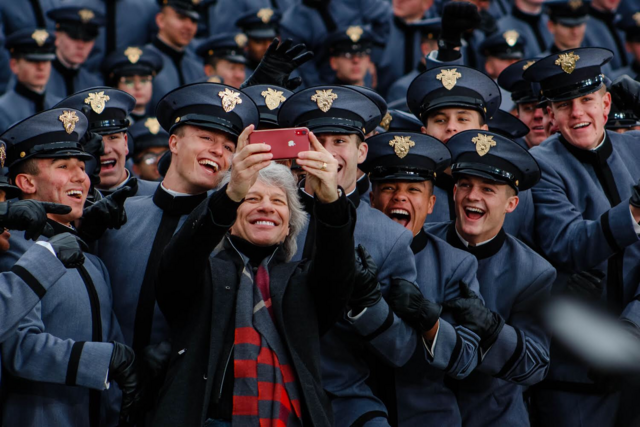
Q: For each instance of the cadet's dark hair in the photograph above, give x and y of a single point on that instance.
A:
(29, 167)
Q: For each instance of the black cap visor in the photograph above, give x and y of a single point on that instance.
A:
(191, 14)
(457, 170)
(76, 31)
(573, 90)
(570, 21)
(400, 173)
(261, 33)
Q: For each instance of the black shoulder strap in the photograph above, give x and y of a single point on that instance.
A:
(37, 12)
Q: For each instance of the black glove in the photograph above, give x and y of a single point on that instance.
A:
(278, 63)
(457, 18)
(106, 213)
(635, 195)
(156, 358)
(406, 300)
(366, 289)
(626, 94)
(29, 216)
(69, 249)
(469, 311)
(586, 284)
(93, 144)
(123, 370)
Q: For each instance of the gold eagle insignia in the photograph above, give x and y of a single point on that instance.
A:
(575, 4)
(449, 78)
(86, 15)
(401, 145)
(3, 154)
(567, 61)
(354, 33)
(272, 98)
(69, 120)
(511, 37)
(241, 39)
(483, 143)
(265, 15)
(229, 99)
(527, 65)
(98, 101)
(40, 36)
(153, 125)
(133, 54)
(386, 121)
(324, 99)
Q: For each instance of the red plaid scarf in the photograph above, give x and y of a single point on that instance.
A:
(265, 390)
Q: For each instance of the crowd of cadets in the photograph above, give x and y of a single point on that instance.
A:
(488, 148)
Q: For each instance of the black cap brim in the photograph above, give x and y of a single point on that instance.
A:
(188, 13)
(236, 59)
(10, 191)
(481, 174)
(261, 33)
(570, 21)
(39, 57)
(76, 154)
(207, 125)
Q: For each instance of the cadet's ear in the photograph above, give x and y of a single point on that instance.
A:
(126, 143)
(332, 63)
(26, 183)
(363, 149)
(173, 143)
(512, 204)
(484, 127)
(606, 101)
(423, 129)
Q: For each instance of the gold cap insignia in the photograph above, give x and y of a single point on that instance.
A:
(527, 65)
(567, 61)
(22, 153)
(575, 4)
(133, 54)
(386, 121)
(86, 15)
(153, 125)
(449, 78)
(214, 79)
(241, 39)
(178, 119)
(483, 143)
(401, 145)
(40, 36)
(324, 99)
(229, 99)
(3, 154)
(354, 33)
(272, 98)
(636, 17)
(69, 120)
(265, 15)
(98, 101)
(195, 2)
(511, 37)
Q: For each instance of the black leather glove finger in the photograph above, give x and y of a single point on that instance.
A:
(625, 92)
(586, 284)
(156, 358)
(68, 249)
(118, 197)
(366, 289)
(469, 311)
(123, 370)
(106, 213)
(29, 216)
(292, 84)
(406, 300)
(277, 64)
(635, 195)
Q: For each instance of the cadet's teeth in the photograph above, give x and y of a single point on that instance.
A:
(108, 162)
(211, 163)
(399, 212)
(581, 125)
(476, 210)
(265, 223)
(74, 193)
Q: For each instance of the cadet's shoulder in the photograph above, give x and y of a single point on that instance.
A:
(526, 260)
(629, 139)
(146, 188)
(438, 229)
(446, 252)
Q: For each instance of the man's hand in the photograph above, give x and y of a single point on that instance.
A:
(123, 370)
(29, 216)
(635, 202)
(586, 284)
(322, 171)
(280, 60)
(366, 289)
(406, 300)
(106, 213)
(626, 94)
(247, 162)
(68, 249)
(469, 311)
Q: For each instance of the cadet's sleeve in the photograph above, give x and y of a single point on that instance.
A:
(521, 352)
(631, 312)
(388, 335)
(26, 283)
(456, 350)
(184, 260)
(379, 14)
(333, 267)
(565, 237)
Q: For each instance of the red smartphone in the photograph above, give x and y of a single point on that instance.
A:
(285, 143)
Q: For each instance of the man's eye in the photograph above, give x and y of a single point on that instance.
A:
(229, 148)
(488, 189)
